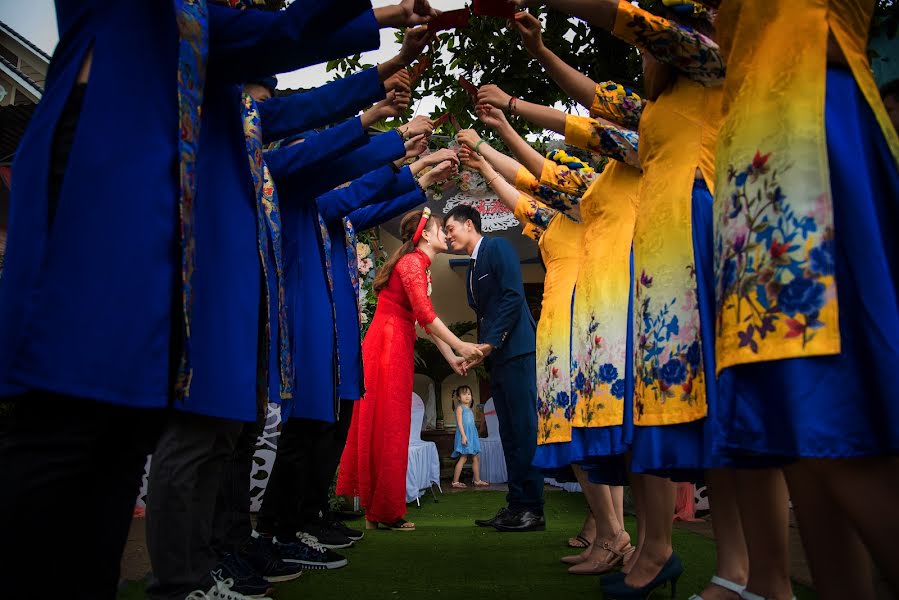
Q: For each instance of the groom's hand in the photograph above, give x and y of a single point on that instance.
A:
(485, 349)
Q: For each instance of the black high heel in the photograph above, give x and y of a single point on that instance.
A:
(670, 573)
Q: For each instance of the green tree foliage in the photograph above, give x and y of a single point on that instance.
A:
(488, 51)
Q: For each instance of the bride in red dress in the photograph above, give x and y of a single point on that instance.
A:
(373, 465)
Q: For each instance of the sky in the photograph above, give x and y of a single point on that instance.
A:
(36, 20)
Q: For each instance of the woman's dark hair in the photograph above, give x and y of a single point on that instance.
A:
(407, 230)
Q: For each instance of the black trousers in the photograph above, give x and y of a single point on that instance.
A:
(231, 524)
(515, 397)
(70, 472)
(307, 459)
(185, 476)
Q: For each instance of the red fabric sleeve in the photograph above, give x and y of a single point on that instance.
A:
(414, 277)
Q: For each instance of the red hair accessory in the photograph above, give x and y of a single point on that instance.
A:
(425, 215)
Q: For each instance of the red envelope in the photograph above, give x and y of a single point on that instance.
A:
(420, 68)
(441, 120)
(451, 19)
(468, 87)
(494, 8)
(455, 122)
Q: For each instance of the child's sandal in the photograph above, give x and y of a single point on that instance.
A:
(459, 484)
(481, 483)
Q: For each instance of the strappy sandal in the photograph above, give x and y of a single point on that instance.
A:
(579, 542)
(721, 582)
(459, 485)
(481, 483)
(615, 548)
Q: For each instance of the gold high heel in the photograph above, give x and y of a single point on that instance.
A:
(615, 548)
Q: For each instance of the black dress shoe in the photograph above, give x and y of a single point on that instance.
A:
(523, 521)
(500, 514)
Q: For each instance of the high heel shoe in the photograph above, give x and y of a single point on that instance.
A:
(670, 573)
(616, 550)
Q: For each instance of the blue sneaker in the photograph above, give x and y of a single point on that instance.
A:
(308, 553)
(245, 580)
(261, 554)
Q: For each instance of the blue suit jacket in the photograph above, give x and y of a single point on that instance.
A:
(496, 294)
(86, 308)
(312, 307)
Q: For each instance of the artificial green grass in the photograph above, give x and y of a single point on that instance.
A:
(448, 557)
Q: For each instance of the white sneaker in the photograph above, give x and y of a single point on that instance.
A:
(221, 590)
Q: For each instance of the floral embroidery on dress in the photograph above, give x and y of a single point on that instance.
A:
(552, 397)
(775, 264)
(590, 375)
(668, 351)
(695, 55)
(535, 213)
(618, 104)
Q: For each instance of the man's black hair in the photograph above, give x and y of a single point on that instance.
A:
(890, 89)
(464, 212)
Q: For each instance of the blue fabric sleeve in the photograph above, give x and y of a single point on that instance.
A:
(504, 265)
(381, 150)
(249, 44)
(302, 162)
(340, 202)
(380, 213)
(288, 115)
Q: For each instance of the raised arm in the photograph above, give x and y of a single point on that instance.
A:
(574, 83)
(695, 55)
(507, 193)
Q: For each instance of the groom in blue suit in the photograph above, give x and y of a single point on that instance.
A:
(507, 334)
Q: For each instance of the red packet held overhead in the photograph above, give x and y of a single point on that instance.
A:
(468, 87)
(451, 19)
(419, 69)
(441, 120)
(494, 8)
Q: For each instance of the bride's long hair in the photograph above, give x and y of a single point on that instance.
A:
(407, 231)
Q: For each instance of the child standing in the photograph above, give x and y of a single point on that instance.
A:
(468, 442)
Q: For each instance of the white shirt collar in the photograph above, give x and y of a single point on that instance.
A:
(474, 255)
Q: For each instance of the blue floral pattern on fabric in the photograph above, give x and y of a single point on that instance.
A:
(775, 266)
(552, 394)
(589, 375)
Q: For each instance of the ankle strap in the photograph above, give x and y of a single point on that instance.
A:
(728, 584)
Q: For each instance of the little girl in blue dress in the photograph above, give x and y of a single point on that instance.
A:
(468, 442)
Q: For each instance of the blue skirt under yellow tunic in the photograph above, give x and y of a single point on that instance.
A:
(683, 451)
(844, 405)
(599, 450)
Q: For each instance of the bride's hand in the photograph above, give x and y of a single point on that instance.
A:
(458, 365)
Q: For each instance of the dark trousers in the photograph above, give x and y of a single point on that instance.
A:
(307, 458)
(231, 524)
(185, 476)
(70, 472)
(513, 383)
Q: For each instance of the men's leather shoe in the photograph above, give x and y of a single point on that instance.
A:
(523, 521)
(500, 514)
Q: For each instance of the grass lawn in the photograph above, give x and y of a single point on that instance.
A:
(448, 557)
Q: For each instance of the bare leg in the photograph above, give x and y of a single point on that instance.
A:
(872, 513)
(617, 492)
(640, 508)
(459, 466)
(733, 558)
(838, 560)
(476, 466)
(658, 497)
(765, 514)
